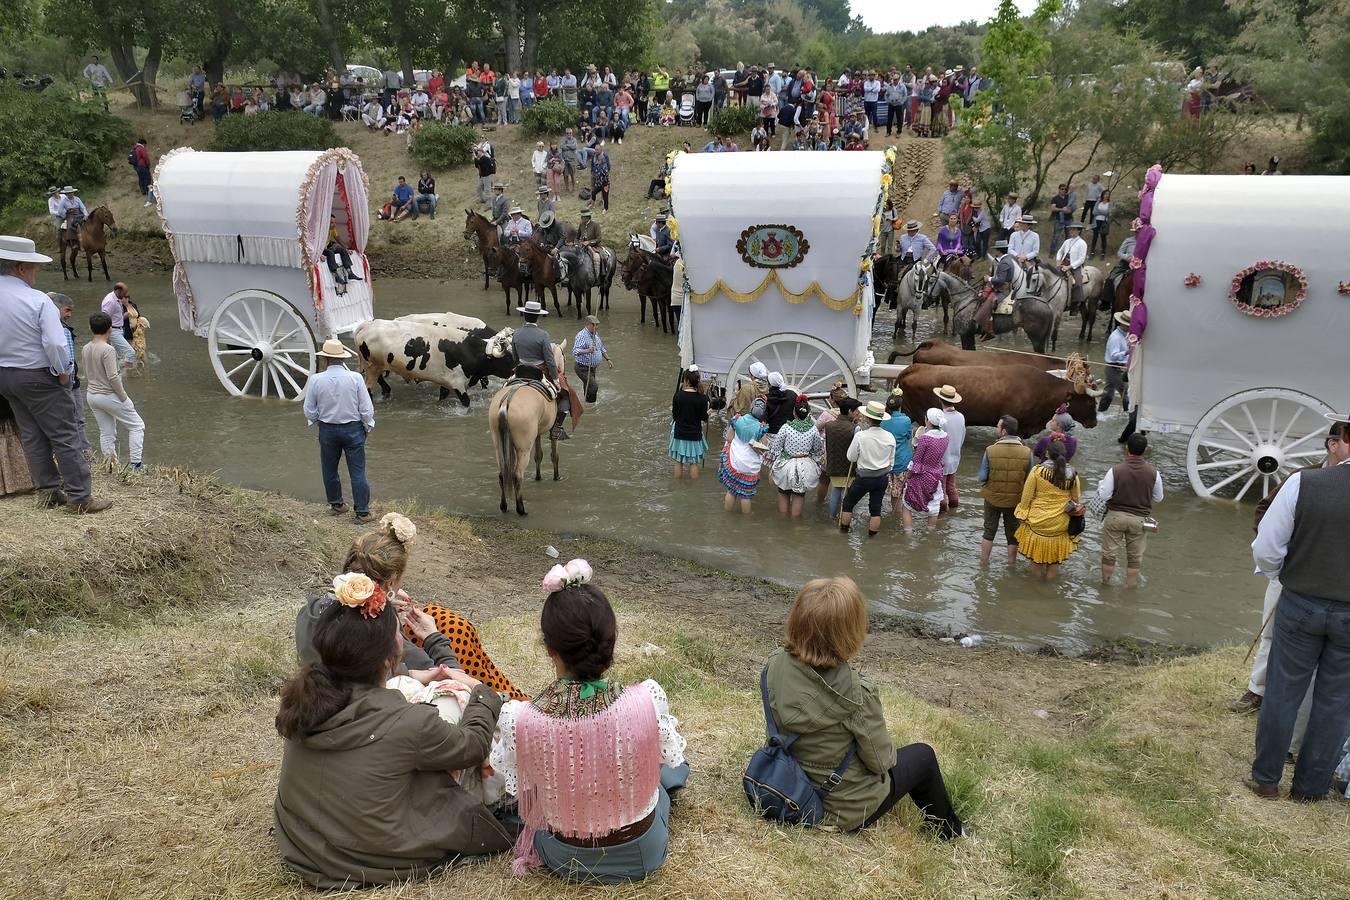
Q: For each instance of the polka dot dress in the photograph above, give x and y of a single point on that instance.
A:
(468, 649)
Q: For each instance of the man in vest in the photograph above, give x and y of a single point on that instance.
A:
(1003, 472)
(500, 214)
(533, 349)
(1301, 541)
(1130, 489)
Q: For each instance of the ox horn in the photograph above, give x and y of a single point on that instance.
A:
(1092, 392)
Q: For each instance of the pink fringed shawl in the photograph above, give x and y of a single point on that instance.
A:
(585, 777)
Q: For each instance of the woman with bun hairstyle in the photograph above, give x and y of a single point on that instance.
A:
(434, 635)
(592, 763)
(365, 795)
(798, 452)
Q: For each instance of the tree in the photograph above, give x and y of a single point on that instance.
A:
(833, 15)
(121, 26)
(1198, 31)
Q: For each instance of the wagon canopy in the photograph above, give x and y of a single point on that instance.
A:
(266, 209)
(773, 243)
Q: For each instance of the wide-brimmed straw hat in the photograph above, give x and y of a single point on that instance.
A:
(1122, 317)
(947, 394)
(912, 225)
(20, 249)
(1076, 226)
(1000, 245)
(547, 218)
(876, 411)
(69, 190)
(533, 308)
(542, 189)
(333, 349)
(586, 212)
(516, 209)
(1028, 219)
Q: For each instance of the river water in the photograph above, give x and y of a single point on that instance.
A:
(1197, 587)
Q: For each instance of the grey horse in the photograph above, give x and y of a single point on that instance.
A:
(1031, 314)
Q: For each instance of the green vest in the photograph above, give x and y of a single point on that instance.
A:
(660, 82)
(1007, 473)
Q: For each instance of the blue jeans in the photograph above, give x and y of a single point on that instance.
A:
(431, 203)
(513, 110)
(476, 108)
(584, 156)
(597, 111)
(1310, 635)
(335, 441)
(1060, 230)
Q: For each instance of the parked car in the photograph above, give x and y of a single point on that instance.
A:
(370, 74)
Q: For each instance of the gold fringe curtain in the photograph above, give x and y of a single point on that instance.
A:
(812, 290)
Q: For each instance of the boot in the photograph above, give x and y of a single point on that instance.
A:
(557, 433)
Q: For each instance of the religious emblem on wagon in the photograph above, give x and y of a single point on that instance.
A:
(1268, 289)
(772, 246)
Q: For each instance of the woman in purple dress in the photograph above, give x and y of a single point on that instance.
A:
(949, 239)
(923, 490)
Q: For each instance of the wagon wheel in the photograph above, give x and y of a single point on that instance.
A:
(808, 364)
(1255, 439)
(260, 345)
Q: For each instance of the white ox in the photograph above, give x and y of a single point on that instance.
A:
(447, 349)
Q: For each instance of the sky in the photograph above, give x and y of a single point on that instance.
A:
(899, 15)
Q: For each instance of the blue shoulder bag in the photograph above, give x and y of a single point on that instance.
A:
(775, 783)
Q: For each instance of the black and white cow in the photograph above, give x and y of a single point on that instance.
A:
(453, 351)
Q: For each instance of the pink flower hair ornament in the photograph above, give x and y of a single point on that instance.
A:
(359, 591)
(576, 573)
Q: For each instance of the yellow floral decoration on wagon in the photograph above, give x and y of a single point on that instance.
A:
(674, 225)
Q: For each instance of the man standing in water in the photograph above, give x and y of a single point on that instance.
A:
(589, 352)
(338, 401)
(1003, 472)
(956, 435)
(1302, 541)
(1130, 489)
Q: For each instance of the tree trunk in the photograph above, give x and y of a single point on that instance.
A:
(330, 36)
(150, 71)
(511, 34)
(405, 60)
(531, 34)
(214, 64)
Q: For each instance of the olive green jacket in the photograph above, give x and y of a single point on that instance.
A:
(830, 709)
(368, 798)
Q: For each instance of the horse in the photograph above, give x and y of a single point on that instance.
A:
(913, 293)
(518, 417)
(488, 242)
(511, 278)
(545, 272)
(86, 236)
(1115, 297)
(1031, 314)
(648, 275)
(1057, 290)
(582, 275)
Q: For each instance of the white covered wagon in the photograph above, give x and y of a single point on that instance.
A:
(1248, 295)
(248, 232)
(777, 252)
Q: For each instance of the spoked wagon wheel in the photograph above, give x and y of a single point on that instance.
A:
(808, 364)
(1254, 440)
(260, 345)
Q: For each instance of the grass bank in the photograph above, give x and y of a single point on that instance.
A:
(137, 754)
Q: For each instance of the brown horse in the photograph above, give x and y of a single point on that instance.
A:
(509, 263)
(544, 273)
(476, 224)
(86, 236)
(647, 274)
(518, 417)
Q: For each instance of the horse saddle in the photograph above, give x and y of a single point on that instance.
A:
(1004, 306)
(534, 377)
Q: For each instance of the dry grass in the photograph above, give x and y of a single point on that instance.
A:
(138, 760)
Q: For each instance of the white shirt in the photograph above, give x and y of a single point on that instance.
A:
(112, 308)
(1107, 489)
(98, 74)
(31, 336)
(1277, 527)
(956, 436)
(54, 204)
(1008, 216)
(1075, 250)
(1117, 347)
(1024, 243)
(520, 228)
(337, 396)
(872, 449)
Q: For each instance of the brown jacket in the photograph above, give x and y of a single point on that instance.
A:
(368, 799)
(1009, 462)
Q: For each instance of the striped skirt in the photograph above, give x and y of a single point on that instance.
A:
(738, 484)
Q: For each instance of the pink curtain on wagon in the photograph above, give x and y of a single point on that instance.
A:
(358, 205)
(314, 209)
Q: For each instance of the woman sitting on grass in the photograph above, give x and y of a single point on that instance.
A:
(592, 764)
(815, 694)
(365, 795)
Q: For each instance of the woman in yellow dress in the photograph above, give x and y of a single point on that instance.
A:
(1049, 495)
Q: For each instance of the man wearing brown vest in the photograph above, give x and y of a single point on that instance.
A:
(1302, 540)
(1003, 472)
(838, 436)
(1130, 489)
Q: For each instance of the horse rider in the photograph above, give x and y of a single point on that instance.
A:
(544, 203)
(914, 246)
(1071, 256)
(588, 236)
(533, 349)
(1024, 245)
(54, 209)
(665, 243)
(1000, 283)
(549, 235)
(499, 207)
(1123, 254)
(517, 228)
(663, 211)
(70, 200)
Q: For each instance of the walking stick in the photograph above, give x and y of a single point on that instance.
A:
(1260, 631)
(848, 480)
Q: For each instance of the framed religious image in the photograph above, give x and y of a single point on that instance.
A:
(1268, 289)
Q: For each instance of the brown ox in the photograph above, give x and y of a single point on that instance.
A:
(988, 392)
(940, 353)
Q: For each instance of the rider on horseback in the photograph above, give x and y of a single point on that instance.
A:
(665, 243)
(533, 349)
(499, 215)
(1071, 256)
(588, 236)
(1024, 245)
(70, 201)
(1000, 283)
(913, 247)
(550, 236)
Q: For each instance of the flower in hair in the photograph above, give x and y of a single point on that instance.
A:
(574, 574)
(359, 591)
(400, 526)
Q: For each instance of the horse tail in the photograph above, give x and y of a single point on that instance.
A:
(507, 447)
